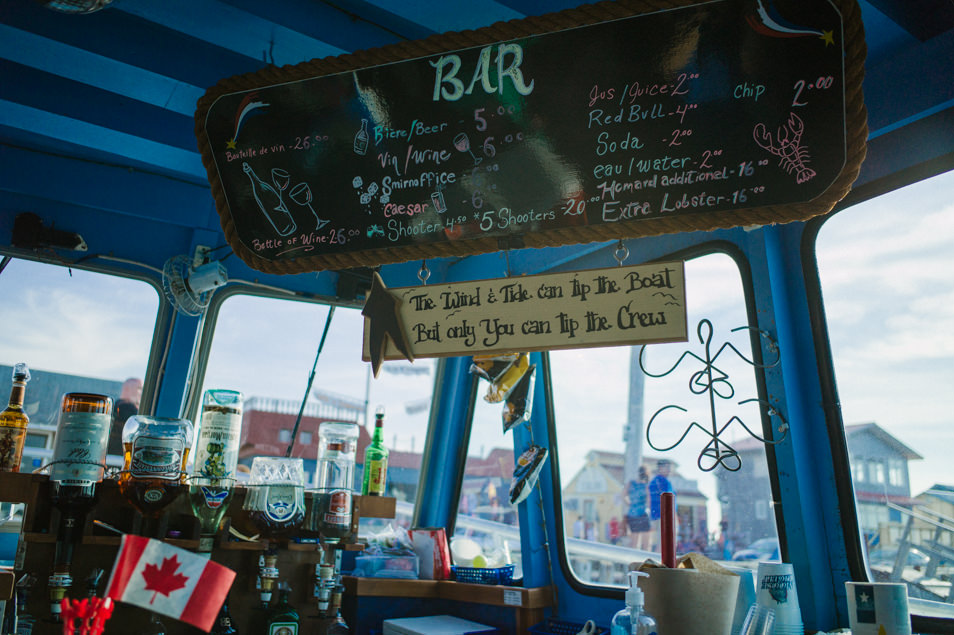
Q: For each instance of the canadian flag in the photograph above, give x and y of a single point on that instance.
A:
(167, 580)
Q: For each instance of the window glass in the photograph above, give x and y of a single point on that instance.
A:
(35, 440)
(604, 404)
(78, 331)
(885, 267)
(486, 521)
(266, 348)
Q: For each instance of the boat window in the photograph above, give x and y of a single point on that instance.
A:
(78, 331)
(886, 267)
(605, 409)
(486, 524)
(266, 348)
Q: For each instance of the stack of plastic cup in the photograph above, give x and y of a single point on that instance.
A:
(758, 621)
(775, 589)
(745, 599)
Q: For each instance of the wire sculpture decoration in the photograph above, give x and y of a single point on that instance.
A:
(712, 380)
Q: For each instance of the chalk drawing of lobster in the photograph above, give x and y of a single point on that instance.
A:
(787, 146)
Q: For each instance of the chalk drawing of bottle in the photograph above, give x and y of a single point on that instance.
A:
(361, 139)
(270, 202)
(437, 197)
(301, 194)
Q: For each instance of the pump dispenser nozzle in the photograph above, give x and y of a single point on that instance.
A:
(634, 595)
(633, 620)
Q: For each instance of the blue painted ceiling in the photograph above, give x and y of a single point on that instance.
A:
(96, 110)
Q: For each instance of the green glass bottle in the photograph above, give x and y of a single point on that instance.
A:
(375, 460)
(282, 618)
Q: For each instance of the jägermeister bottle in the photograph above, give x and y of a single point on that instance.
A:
(282, 618)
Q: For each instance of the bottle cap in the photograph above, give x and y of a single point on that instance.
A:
(634, 595)
(21, 372)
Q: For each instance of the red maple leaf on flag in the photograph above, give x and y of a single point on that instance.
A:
(164, 579)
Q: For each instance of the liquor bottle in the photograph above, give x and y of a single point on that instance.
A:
(375, 460)
(155, 450)
(79, 460)
(275, 500)
(361, 139)
(330, 513)
(22, 620)
(282, 618)
(13, 422)
(223, 623)
(216, 459)
(339, 626)
(155, 626)
(271, 203)
(217, 445)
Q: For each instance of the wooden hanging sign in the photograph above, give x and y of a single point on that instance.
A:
(641, 304)
(614, 120)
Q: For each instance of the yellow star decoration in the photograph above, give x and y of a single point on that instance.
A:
(828, 37)
(230, 144)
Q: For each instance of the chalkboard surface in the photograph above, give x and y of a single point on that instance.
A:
(687, 113)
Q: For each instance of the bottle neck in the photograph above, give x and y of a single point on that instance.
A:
(378, 437)
(16, 394)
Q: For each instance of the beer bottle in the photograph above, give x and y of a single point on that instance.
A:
(375, 460)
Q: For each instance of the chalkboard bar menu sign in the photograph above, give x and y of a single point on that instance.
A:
(591, 124)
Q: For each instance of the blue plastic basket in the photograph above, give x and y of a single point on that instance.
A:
(474, 575)
(551, 626)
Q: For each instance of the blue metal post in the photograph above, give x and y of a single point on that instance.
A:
(445, 450)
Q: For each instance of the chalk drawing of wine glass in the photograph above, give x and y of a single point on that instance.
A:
(462, 143)
(301, 194)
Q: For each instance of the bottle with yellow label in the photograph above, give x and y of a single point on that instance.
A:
(14, 422)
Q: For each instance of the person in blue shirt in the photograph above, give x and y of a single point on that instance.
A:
(657, 486)
(637, 511)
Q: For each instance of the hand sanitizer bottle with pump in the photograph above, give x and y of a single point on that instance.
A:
(633, 620)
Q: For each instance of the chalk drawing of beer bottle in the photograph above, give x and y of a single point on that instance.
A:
(361, 139)
(270, 202)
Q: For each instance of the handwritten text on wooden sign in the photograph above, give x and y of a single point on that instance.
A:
(583, 309)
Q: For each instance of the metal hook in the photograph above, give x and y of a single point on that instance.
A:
(621, 253)
(424, 273)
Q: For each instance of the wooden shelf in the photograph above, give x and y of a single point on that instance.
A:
(494, 595)
(375, 506)
(97, 548)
